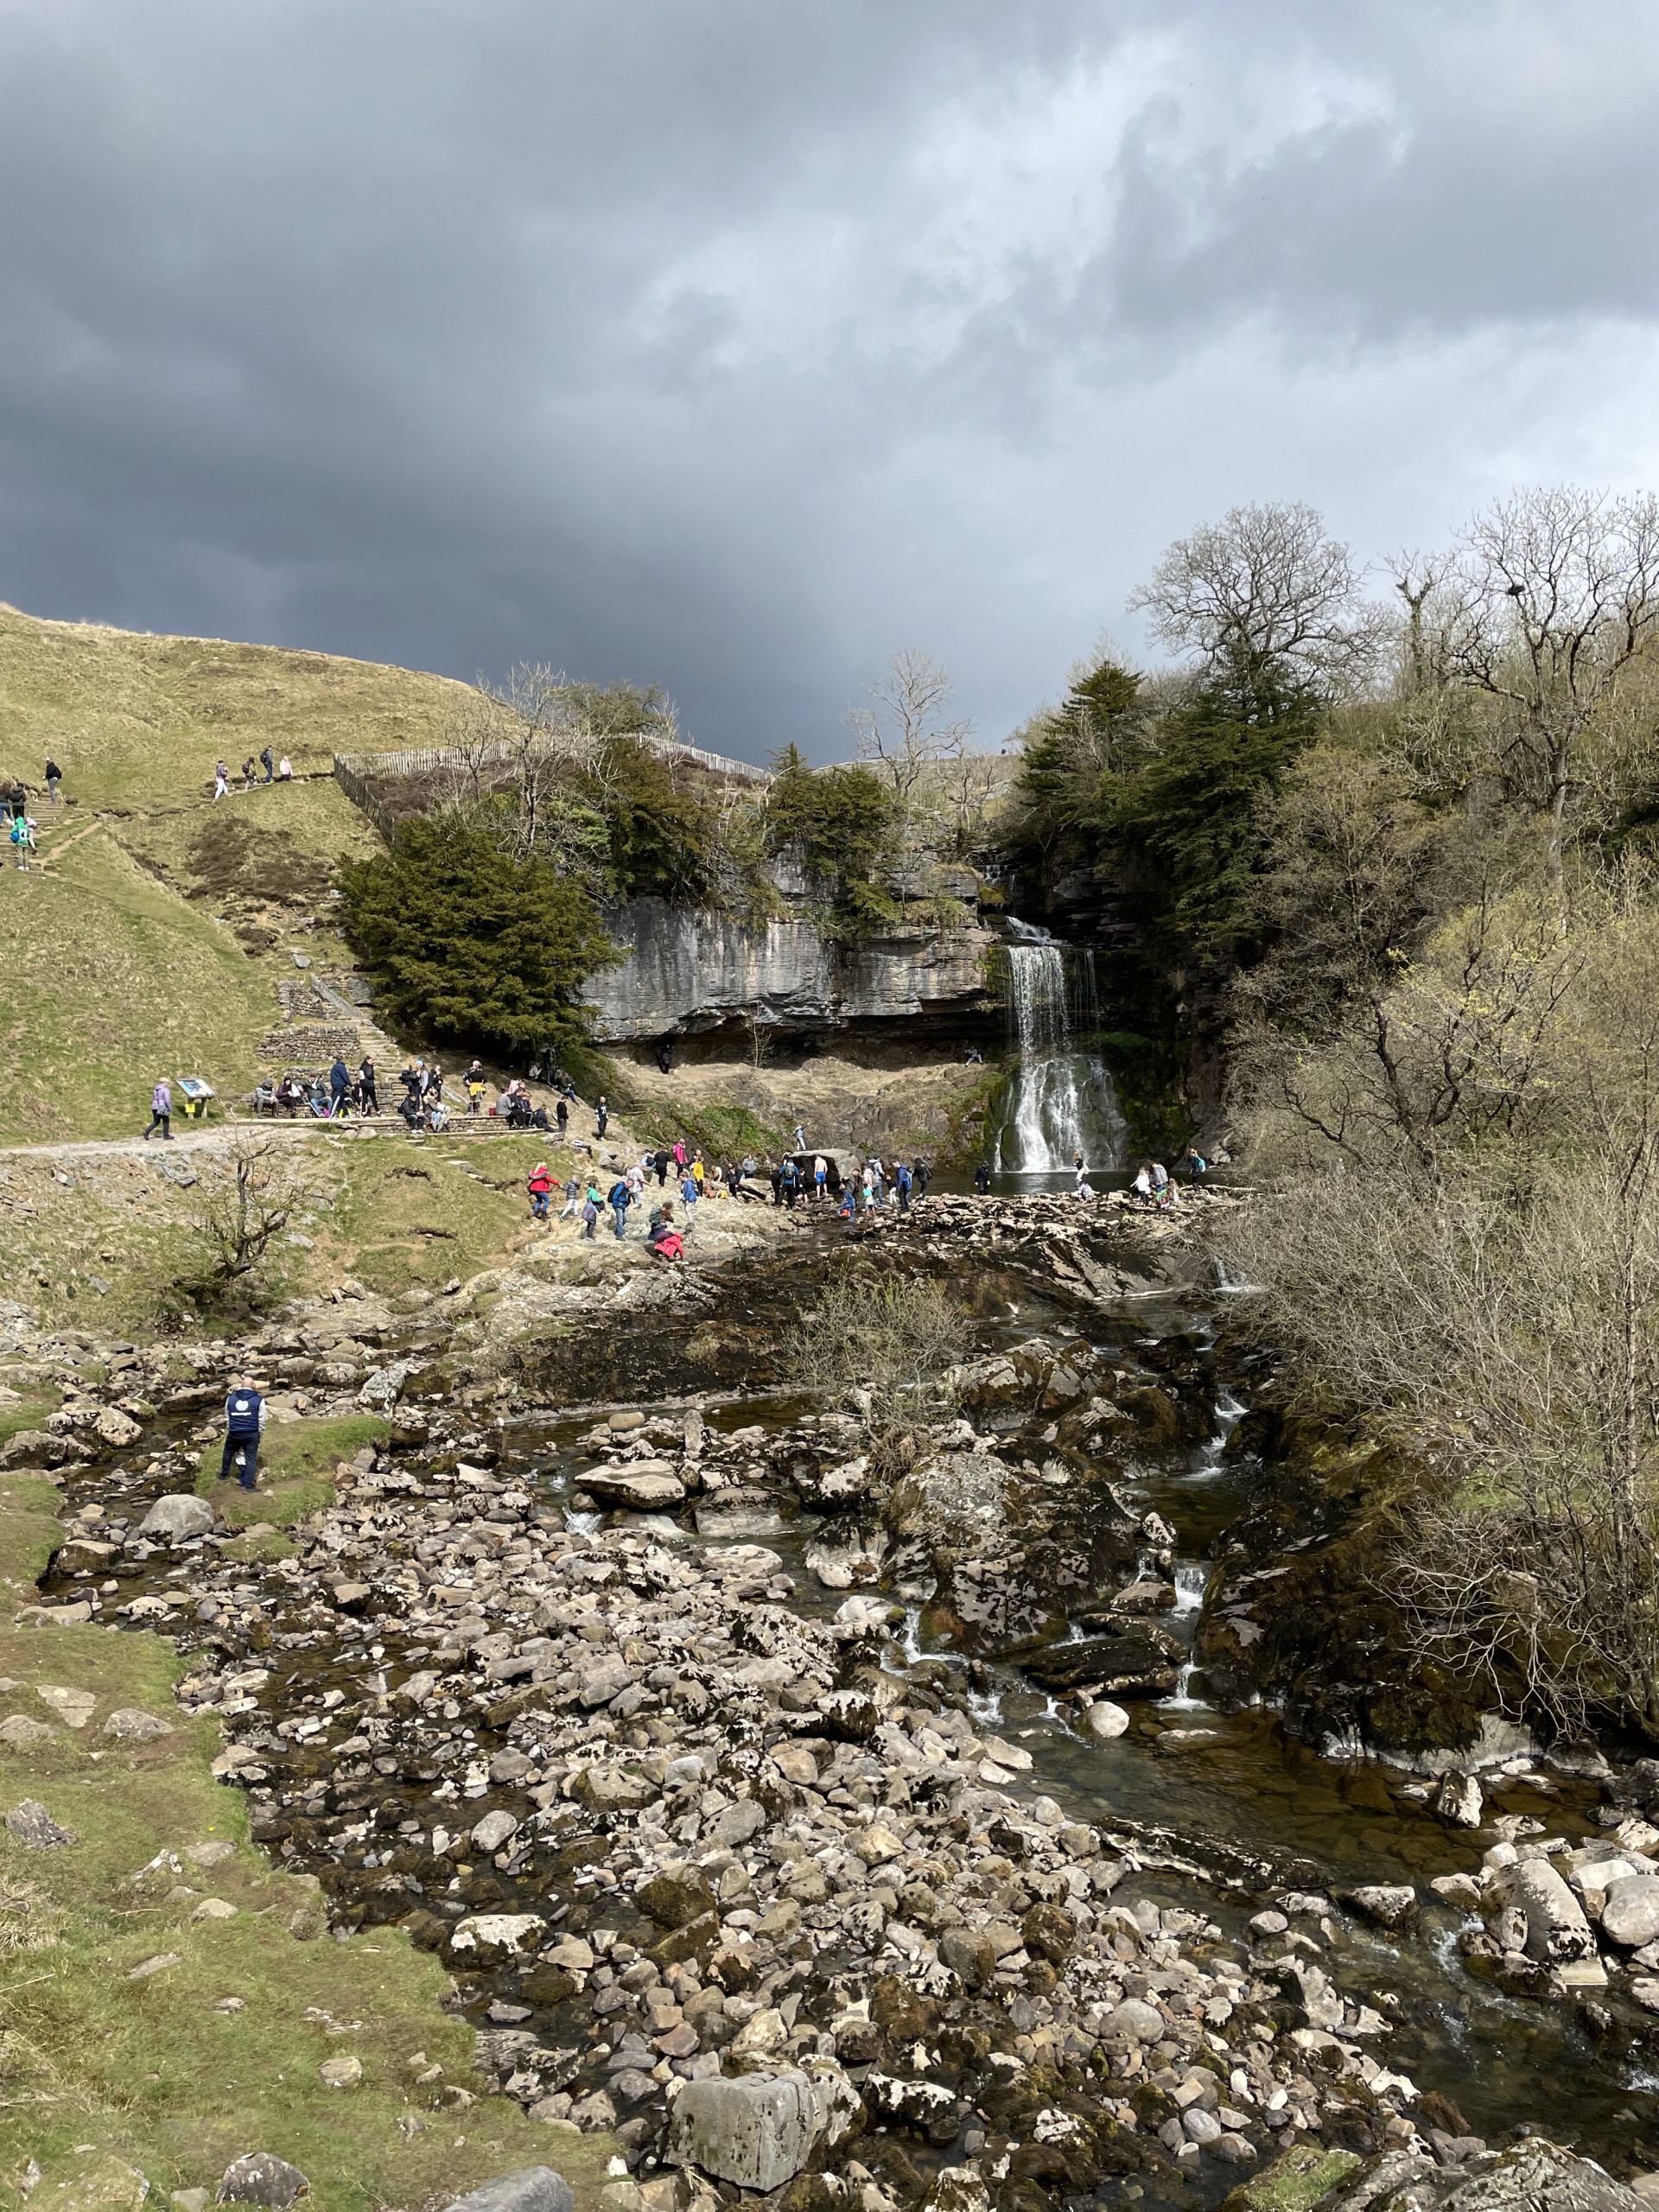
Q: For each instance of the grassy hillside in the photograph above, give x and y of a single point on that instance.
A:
(134, 720)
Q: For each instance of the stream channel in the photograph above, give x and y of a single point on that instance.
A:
(1237, 1778)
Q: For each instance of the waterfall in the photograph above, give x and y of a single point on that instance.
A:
(1062, 1102)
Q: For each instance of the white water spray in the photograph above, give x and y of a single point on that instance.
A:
(1062, 1102)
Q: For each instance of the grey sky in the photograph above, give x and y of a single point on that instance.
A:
(732, 344)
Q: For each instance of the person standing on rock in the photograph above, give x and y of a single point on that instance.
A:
(562, 1116)
(540, 1190)
(160, 1110)
(621, 1197)
(245, 1422)
(901, 1180)
(924, 1176)
(602, 1115)
(983, 1178)
(659, 1161)
(800, 1136)
(590, 1212)
(820, 1177)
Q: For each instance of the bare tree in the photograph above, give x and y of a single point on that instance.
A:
(906, 729)
(1555, 594)
(1264, 587)
(242, 1213)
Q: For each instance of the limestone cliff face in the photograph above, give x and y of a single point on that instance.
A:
(688, 972)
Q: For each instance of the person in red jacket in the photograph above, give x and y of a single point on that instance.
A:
(541, 1189)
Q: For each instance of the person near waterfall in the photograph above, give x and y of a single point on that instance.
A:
(983, 1178)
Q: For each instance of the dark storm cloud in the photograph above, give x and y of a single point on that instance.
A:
(732, 345)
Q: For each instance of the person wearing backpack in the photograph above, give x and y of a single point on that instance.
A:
(23, 839)
(590, 1213)
(268, 762)
(245, 1422)
(621, 1199)
(901, 1184)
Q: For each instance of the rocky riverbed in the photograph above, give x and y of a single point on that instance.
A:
(687, 1737)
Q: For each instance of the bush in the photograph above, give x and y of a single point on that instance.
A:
(475, 945)
(886, 1346)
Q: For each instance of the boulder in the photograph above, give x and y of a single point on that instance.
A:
(342, 2073)
(177, 1517)
(20, 1733)
(528, 2189)
(1132, 2021)
(756, 2131)
(1631, 1915)
(1457, 1801)
(1556, 1926)
(1535, 2177)
(1142, 1662)
(499, 1935)
(1388, 1905)
(35, 1827)
(74, 1708)
(130, 1724)
(1105, 1720)
(647, 1486)
(493, 1830)
(114, 1428)
(259, 2177)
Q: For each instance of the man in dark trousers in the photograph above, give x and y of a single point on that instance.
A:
(268, 762)
(368, 1097)
(245, 1419)
(340, 1085)
(161, 1110)
(601, 1114)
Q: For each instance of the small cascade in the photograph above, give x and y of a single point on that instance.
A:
(1063, 1103)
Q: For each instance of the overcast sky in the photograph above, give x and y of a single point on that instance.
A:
(731, 345)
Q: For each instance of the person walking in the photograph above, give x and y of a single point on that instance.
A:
(340, 1087)
(53, 779)
(245, 1422)
(22, 840)
(901, 1180)
(160, 1110)
(248, 767)
(284, 770)
(540, 1190)
(924, 1175)
(268, 762)
(368, 1097)
(659, 1161)
(590, 1212)
(221, 780)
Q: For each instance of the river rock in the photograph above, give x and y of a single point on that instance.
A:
(1105, 1720)
(493, 1830)
(642, 1486)
(756, 2131)
(1140, 1663)
(1534, 2176)
(1388, 1904)
(529, 2189)
(176, 1517)
(259, 2177)
(499, 1934)
(114, 1428)
(1556, 1926)
(1132, 2021)
(1630, 1915)
(1458, 1800)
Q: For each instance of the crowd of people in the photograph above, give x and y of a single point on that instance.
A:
(802, 1178)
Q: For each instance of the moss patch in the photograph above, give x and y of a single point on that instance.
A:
(1294, 2182)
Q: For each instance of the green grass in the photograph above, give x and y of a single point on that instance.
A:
(134, 720)
(406, 1219)
(112, 981)
(296, 1469)
(149, 2072)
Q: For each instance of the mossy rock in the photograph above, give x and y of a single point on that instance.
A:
(1294, 2182)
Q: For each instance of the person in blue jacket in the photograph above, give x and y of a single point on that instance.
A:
(244, 1420)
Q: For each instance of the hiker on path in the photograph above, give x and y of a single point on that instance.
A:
(540, 1190)
(901, 1182)
(368, 1098)
(572, 1197)
(23, 839)
(340, 1085)
(53, 778)
(924, 1175)
(590, 1212)
(160, 1110)
(621, 1198)
(248, 767)
(284, 770)
(244, 1420)
(221, 779)
(268, 762)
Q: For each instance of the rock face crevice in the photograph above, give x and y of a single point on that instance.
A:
(687, 971)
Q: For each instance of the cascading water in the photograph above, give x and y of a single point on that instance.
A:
(1063, 1103)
